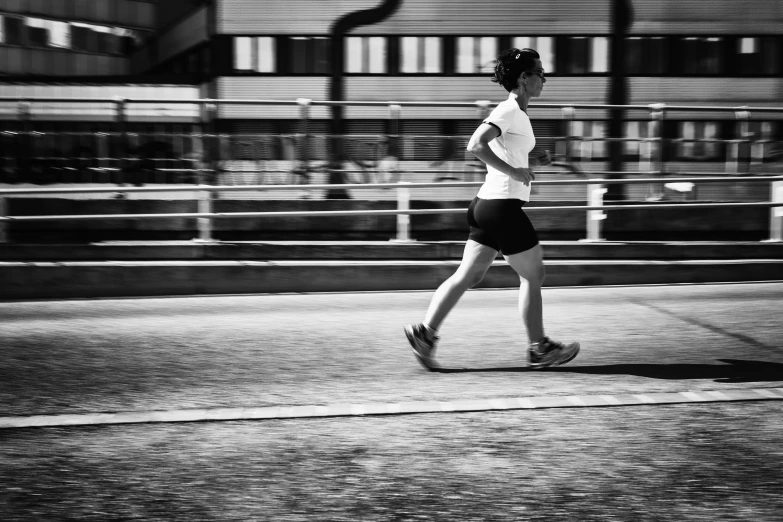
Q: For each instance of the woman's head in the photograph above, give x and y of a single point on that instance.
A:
(511, 63)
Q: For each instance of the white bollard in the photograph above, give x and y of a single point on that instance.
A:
(595, 198)
(403, 220)
(776, 214)
(204, 223)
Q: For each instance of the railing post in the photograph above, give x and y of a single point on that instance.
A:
(657, 115)
(222, 158)
(595, 198)
(209, 145)
(204, 223)
(483, 108)
(403, 220)
(304, 116)
(24, 143)
(776, 213)
(735, 146)
(120, 106)
(3, 224)
(103, 149)
(564, 148)
(389, 160)
(395, 110)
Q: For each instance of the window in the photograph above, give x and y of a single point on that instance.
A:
(599, 56)
(365, 54)
(758, 56)
(91, 38)
(645, 55)
(12, 30)
(703, 56)
(698, 130)
(770, 52)
(254, 54)
(266, 55)
(60, 35)
(420, 54)
(586, 55)
(543, 44)
(243, 53)
(476, 54)
(309, 55)
(37, 33)
(593, 147)
(637, 129)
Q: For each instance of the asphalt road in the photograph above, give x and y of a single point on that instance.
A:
(689, 461)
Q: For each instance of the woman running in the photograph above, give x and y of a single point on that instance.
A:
(497, 221)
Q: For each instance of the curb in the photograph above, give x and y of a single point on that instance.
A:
(91, 279)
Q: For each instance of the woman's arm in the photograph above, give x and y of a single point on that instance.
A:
(479, 147)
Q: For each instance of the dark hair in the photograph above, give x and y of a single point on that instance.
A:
(511, 63)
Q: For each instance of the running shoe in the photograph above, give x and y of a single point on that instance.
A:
(547, 353)
(423, 347)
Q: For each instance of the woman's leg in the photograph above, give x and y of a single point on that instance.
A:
(476, 260)
(530, 267)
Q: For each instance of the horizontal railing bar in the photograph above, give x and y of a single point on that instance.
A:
(375, 138)
(359, 103)
(244, 188)
(336, 213)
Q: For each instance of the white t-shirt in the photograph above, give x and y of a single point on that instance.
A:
(515, 142)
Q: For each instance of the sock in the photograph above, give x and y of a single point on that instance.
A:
(543, 341)
(430, 331)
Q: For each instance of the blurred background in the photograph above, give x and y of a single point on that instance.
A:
(231, 92)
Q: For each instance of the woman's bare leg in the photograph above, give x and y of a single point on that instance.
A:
(529, 265)
(476, 260)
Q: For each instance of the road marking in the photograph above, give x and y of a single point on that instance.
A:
(646, 399)
(383, 409)
(769, 392)
(692, 396)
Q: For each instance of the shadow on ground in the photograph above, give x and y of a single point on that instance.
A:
(731, 371)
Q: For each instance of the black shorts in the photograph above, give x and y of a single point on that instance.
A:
(501, 224)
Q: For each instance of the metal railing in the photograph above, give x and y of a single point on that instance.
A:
(204, 154)
(652, 159)
(595, 207)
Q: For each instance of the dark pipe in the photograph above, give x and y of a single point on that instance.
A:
(622, 18)
(339, 29)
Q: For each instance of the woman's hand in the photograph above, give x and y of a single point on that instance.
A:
(525, 175)
(541, 159)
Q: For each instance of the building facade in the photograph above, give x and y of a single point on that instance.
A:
(72, 38)
(676, 52)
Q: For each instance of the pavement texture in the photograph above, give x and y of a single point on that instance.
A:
(716, 461)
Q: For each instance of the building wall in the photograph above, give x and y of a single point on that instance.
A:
(465, 17)
(284, 17)
(55, 62)
(707, 91)
(126, 13)
(185, 34)
(89, 111)
(697, 17)
(170, 11)
(565, 90)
